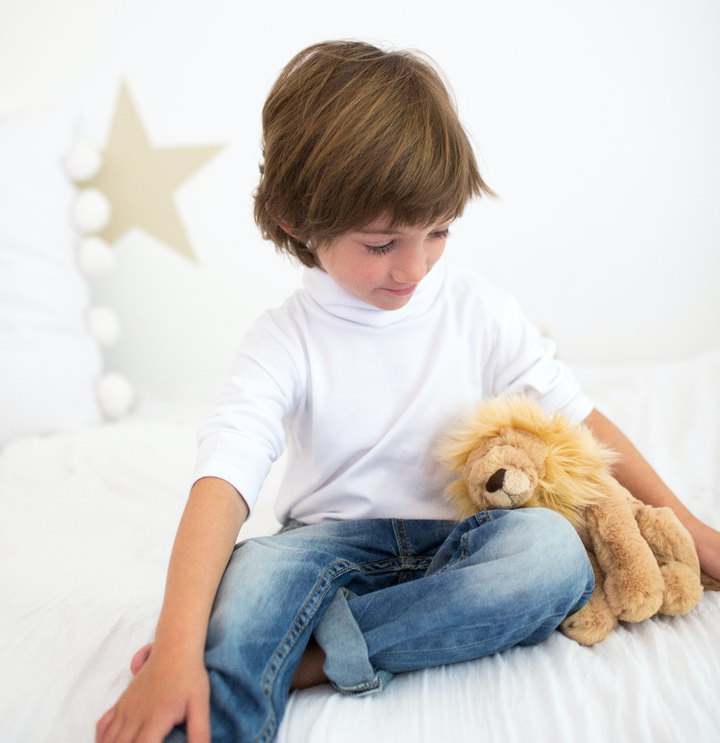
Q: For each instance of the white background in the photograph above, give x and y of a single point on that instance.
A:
(596, 122)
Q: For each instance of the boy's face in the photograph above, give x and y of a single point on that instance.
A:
(382, 265)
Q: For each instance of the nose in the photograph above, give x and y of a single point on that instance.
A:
(496, 482)
(410, 265)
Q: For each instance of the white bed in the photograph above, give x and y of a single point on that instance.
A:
(88, 518)
(88, 514)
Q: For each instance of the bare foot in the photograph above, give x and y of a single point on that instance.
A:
(138, 660)
(310, 671)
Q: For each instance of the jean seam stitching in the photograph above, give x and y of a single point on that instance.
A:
(406, 555)
(391, 565)
(398, 540)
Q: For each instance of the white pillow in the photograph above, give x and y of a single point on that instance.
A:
(49, 361)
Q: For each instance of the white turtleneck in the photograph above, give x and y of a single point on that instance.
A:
(361, 395)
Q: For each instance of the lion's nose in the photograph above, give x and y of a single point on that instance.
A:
(495, 483)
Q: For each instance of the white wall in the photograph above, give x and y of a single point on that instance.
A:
(597, 123)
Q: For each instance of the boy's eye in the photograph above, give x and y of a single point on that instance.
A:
(379, 249)
(383, 249)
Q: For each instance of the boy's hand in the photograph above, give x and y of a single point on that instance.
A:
(707, 543)
(173, 686)
(163, 694)
(634, 473)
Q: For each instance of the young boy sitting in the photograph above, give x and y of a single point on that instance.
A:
(366, 165)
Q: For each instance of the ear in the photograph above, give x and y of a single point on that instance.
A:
(283, 224)
(285, 227)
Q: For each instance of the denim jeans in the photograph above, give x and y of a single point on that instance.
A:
(382, 596)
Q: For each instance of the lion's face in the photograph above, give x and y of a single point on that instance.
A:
(503, 472)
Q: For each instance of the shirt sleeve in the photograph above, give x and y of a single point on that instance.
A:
(243, 434)
(525, 363)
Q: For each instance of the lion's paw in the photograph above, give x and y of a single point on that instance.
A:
(682, 588)
(634, 597)
(589, 625)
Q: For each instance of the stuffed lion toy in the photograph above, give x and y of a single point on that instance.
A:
(511, 454)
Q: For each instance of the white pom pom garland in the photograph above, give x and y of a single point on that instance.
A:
(104, 325)
(91, 210)
(83, 162)
(115, 395)
(95, 256)
(91, 213)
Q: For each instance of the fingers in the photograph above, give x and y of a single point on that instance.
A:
(103, 724)
(117, 729)
(138, 660)
(197, 724)
(157, 699)
(198, 727)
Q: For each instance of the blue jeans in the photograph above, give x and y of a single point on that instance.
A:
(382, 596)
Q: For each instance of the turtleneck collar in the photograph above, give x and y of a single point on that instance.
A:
(325, 292)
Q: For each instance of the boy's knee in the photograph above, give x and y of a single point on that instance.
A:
(561, 555)
(539, 529)
(532, 567)
(555, 537)
(554, 558)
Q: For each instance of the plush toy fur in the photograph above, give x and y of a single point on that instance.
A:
(510, 454)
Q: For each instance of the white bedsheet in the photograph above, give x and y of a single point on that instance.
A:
(87, 520)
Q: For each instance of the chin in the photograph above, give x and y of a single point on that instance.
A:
(392, 303)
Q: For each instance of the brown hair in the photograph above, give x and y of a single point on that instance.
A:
(352, 133)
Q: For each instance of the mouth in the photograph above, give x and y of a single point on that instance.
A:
(402, 292)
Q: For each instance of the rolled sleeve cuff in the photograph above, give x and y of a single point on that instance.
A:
(228, 472)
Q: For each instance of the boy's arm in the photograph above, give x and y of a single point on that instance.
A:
(172, 686)
(634, 473)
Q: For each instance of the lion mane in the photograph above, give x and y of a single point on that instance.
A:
(576, 467)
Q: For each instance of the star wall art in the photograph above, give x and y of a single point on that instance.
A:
(139, 179)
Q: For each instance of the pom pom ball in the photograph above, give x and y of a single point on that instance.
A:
(95, 256)
(91, 210)
(115, 395)
(104, 325)
(83, 162)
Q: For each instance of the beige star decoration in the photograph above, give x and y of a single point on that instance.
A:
(140, 179)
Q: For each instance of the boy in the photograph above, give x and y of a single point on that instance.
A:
(365, 167)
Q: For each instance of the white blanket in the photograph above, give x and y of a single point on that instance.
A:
(87, 519)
